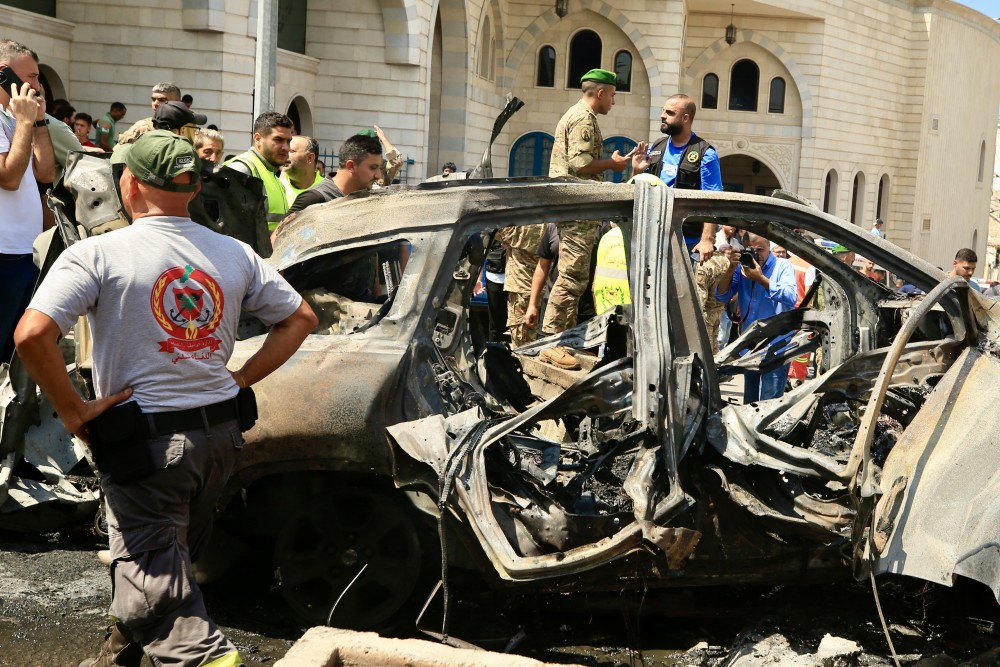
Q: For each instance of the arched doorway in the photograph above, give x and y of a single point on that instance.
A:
(747, 174)
(301, 115)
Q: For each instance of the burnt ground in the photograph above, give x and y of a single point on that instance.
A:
(54, 595)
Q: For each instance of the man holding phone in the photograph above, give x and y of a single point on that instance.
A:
(764, 286)
(26, 156)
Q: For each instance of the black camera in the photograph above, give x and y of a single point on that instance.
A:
(748, 257)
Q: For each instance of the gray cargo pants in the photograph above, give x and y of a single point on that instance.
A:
(155, 526)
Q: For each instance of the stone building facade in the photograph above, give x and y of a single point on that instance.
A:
(879, 109)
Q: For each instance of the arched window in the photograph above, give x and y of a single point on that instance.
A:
(584, 55)
(545, 77)
(882, 203)
(858, 198)
(486, 48)
(743, 86)
(982, 162)
(830, 192)
(710, 92)
(776, 96)
(529, 156)
(623, 68)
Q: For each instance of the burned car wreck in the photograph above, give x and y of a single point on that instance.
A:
(395, 430)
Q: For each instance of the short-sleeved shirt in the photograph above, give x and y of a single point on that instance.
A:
(105, 127)
(20, 209)
(577, 143)
(548, 244)
(324, 191)
(163, 298)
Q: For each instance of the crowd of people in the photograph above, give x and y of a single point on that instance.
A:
(163, 298)
(188, 410)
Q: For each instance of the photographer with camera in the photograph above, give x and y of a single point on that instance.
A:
(764, 286)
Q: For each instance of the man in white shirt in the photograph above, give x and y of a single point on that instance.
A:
(26, 158)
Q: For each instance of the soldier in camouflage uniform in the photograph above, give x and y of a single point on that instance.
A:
(707, 275)
(521, 244)
(576, 151)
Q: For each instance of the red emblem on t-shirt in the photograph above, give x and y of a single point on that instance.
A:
(189, 311)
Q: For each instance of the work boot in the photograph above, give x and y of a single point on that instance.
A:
(560, 357)
(118, 649)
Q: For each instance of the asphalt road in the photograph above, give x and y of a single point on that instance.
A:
(54, 595)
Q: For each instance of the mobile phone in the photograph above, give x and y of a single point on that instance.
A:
(9, 79)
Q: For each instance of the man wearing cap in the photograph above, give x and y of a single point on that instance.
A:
(877, 228)
(576, 151)
(300, 173)
(272, 133)
(170, 116)
(163, 298)
(159, 95)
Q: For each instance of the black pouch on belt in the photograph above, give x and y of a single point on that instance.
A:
(119, 441)
(246, 406)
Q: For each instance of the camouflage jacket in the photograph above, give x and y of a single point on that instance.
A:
(577, 143)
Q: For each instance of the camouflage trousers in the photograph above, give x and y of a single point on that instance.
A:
(712, 320)
(520, 333)
(576, 244)
(517, 283)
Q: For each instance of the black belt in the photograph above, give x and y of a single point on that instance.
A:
(161, 423)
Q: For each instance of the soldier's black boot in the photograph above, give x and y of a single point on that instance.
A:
(118, 650)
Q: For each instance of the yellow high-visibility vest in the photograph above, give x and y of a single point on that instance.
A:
(277, 203)
(611, 275)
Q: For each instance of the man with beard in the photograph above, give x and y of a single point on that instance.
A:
(272, 134)
(684, 160)
(360, 168)
(300, 173)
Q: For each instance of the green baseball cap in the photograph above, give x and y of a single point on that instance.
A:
(600, 76)
(160, 156)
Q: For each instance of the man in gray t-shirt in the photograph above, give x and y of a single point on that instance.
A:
(163, 298)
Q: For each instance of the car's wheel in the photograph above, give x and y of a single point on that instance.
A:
(323, 546)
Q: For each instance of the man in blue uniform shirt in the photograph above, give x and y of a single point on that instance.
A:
(765, 289)
(682, 159)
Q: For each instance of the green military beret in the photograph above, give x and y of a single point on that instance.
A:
(600, 76)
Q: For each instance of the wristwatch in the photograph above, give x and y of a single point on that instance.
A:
(41, 123)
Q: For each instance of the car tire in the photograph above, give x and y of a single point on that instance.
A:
(322, 548)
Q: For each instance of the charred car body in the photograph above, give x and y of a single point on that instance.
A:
(393, 416)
